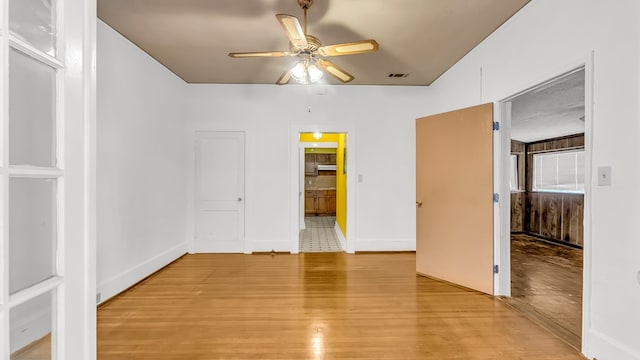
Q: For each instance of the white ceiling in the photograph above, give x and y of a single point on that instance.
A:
(552, 110)
(192, 38)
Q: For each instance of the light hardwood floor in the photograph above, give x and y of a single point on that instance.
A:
(313, 306)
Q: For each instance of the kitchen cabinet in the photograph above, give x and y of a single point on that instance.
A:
(320, 202)
(326, 159)
(310, 202)
(311, 162)
(310, 165)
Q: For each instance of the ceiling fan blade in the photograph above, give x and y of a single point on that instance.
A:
(293, 29)
(332, 69)
(351, 48)
(259, 54)
(284, 78)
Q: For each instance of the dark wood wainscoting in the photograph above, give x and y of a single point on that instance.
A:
(517, 211)
(555, 216)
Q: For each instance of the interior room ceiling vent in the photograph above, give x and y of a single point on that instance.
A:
(397, 75)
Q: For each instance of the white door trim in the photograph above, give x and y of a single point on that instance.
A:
(501, 183)
(294, 180)
(75, 297)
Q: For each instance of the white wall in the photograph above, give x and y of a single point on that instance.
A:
(543, 40)
(384, 121)
(141, 164)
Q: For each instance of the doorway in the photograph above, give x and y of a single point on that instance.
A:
(546, 168)
(342, 138)
(323, 186)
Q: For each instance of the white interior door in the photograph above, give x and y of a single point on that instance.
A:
(219, 177)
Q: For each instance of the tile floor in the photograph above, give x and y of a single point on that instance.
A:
(319, 235)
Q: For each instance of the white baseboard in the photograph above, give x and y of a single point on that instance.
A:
(115, 285)
(604, 347)
(33, 326)
(340, 235)
(268, 245)
(385, 244)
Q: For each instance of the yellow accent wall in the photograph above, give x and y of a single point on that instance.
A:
(341, 185)
(341, 177)
(308, 137)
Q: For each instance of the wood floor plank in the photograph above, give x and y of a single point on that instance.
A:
(312, 306)
(546, 285)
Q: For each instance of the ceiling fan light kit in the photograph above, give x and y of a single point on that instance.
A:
(306, 72)
(311, 53)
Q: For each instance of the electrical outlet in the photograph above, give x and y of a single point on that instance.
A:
(98, 298)
(638, 277)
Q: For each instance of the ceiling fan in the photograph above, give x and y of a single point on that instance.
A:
(310, 51)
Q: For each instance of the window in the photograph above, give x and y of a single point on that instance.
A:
(513, 173)
(559, 172)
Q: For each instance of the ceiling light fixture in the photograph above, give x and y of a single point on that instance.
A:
(306, 71)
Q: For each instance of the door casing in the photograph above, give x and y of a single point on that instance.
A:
(502, 247)
(294, 180)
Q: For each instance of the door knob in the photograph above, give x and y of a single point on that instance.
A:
(239, 199)
(419, 203)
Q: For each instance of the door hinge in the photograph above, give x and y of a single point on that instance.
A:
(496, 125)
(496, 197)
(496, 269)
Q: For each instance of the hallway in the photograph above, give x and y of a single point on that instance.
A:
(319, 235)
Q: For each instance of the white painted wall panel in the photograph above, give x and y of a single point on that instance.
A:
(383, 118)
(141, 164)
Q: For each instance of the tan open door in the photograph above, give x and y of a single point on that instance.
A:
(454, 197)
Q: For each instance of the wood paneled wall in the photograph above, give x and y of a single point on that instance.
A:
(517, 211)
(554, 216)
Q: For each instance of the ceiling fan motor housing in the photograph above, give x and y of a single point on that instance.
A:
(313, 44)
(305, 4)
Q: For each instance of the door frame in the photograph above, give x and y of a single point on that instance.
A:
(74, 304)
(502, 150)
(303, 146)
(294, 180)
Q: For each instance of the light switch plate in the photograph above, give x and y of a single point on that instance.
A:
(604, 176)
